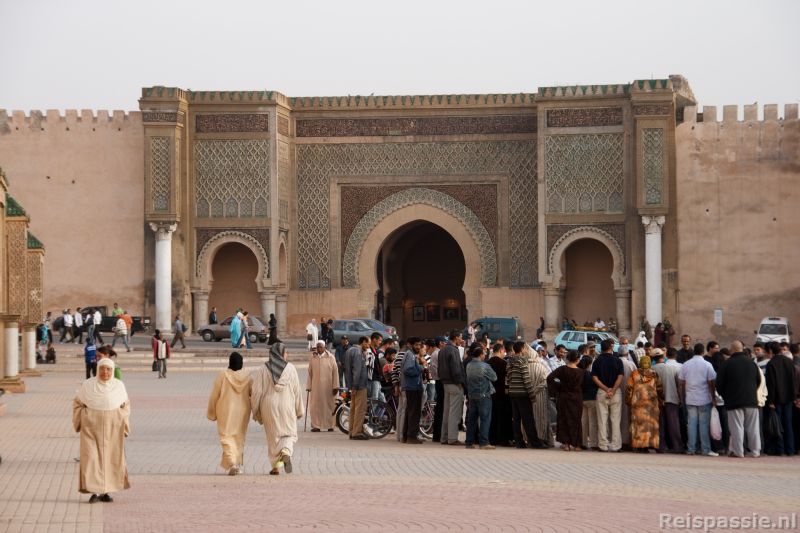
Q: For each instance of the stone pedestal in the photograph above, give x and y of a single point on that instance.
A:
(553, 311)
(281, 308)
(200, 309)
(163, 233)
(268, 304)
(652, 265)
(624, 312)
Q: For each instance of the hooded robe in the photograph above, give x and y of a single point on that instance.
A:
(229, 405)
(323, 383)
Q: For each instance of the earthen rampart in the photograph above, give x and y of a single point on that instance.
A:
(738, 185)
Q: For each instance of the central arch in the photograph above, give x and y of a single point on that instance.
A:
(377, 237)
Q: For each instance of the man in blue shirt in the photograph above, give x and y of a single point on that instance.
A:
(607, 374)
(696, 380)
(479, 393)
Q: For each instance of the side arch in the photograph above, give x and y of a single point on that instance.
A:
(419, 196)
(205, 258)
(555, 259)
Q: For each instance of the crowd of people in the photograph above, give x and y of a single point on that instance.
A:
(699, 399)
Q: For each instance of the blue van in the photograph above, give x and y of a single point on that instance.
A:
(505, 327)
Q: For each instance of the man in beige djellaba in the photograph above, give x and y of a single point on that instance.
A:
(541, 414)
(277, 404)
(101, 414)
(229, 406)
(323, 381)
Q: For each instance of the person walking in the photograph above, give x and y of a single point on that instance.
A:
(178, 330)
(737, 382)
(161, 352)
(229, 407)
(607, 374)
(273, 329)
(451, 373)
(322, 386)
(479, 376)
(355, 374)
(212, 316)
(97, 320)
(644, 395)
(696, 383)
(277, 404)
(566, 383)
(312, 334)
(669, 415)
(411, 385)
(68, 327)
(121, 332)
(101, 414)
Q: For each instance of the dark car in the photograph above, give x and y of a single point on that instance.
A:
(259, 331)
(140, 323)
(360, 327)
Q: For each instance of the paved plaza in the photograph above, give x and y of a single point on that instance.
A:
(339, 485)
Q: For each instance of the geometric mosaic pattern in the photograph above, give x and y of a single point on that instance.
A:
(419, 195)
(584, 173)
(232, 178)
(653, 165)
(160, 172)
(34, 268)
(16, 249)
(316, 163)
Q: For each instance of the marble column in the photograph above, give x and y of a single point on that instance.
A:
(12, 349)
(29, 347)
(268, 301)
(281, 308)
(624, 311)
(163, 233)
(652, 266)
(553, 311)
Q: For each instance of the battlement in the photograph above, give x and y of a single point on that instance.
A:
(730, 114)
(70, 119)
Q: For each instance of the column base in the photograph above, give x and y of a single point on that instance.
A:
(30, 373)
(14, 384)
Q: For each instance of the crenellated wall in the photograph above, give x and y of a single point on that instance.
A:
(79, 175)
(738, 188)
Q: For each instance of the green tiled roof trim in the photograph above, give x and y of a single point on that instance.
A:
(13, 208)
(34, 243)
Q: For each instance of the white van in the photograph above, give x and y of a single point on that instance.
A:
(774, 328)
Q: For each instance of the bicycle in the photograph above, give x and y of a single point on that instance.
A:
(378, 419)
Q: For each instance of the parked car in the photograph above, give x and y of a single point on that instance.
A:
(259, 331)
(385, 329)
(140, 323)
(505, 327)
(573, 338)
(774, 328)
(359, 327)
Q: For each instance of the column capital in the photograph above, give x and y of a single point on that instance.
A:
(163, 230)
(653, 224)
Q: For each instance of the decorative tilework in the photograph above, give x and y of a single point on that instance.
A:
(368, 127)
(34, 267)
(651, 109)
(161, 116)
(13, 207)
(583, 117)
(34, 243)
(413, 196)
(317, 162)
(232, 123)
(160, 151)
(16, 248)
(283, 126)
(653, 165)
(257, 237)
(584, 173)
(480, 198)
(232, 178)
(557, 232)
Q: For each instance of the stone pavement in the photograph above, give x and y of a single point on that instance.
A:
(339, 485)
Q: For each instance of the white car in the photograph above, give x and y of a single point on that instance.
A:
(774, 328)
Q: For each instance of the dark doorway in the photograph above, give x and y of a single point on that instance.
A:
(590, 290)
(420, 281)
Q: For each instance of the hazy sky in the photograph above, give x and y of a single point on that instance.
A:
(99, 53)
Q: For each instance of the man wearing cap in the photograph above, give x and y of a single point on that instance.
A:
(322, 385)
